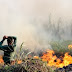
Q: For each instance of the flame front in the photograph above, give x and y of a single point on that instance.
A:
(52, 59)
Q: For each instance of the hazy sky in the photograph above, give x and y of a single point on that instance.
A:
(17, 16)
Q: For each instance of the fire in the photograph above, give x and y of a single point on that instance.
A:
(16, 61)
(69, 46)
(52, 59)
(36, 57)
(19, 61)
(1, 60)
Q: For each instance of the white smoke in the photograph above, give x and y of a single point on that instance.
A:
(30, 21)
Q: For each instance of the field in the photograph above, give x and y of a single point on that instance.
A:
(27, 63)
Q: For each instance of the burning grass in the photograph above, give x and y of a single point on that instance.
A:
(53, 60)
(60, 56)
(24, 62)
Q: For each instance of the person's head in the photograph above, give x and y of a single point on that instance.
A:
(10, 40)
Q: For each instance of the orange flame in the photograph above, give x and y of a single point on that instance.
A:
(36, 57)
(52, 59)
(1, 60)
(69, 46)
(19, 61)
(16, 61)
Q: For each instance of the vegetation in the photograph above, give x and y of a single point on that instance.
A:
(61, 47)
(30, 64)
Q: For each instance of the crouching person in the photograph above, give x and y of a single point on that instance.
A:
(8, 49)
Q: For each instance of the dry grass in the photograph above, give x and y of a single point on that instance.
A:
(28, 65)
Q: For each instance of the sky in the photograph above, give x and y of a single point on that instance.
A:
(18, 17)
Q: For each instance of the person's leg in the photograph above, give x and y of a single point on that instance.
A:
(6, 60)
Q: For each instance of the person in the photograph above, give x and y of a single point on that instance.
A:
(9, 48)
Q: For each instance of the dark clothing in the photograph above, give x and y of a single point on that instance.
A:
(8, 50)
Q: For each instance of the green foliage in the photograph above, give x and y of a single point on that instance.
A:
(21, 46)
(22, 53)
(62, 46)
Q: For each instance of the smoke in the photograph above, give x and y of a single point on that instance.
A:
(35, 22)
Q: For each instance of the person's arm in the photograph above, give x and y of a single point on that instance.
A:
(2, 47)
(4, 37)
(2, 42)
(15, 40)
